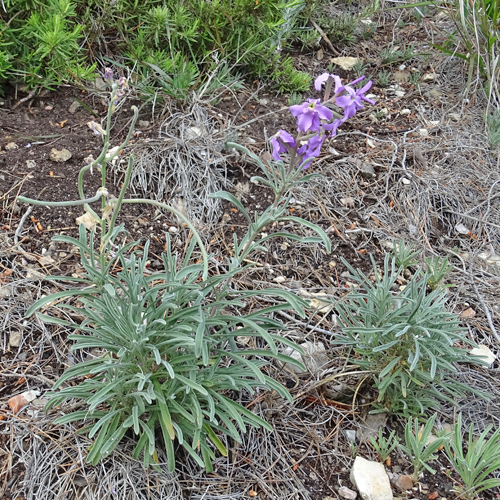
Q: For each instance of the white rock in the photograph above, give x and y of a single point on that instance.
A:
(15, 339)
(399, 93)
(351, 435)
(144, 123)
(454, 117)
(423, 132)
(371, 480)
(74, 107)
(10, 146)
(314, 357)
(30, 163)
(461, 229)
(405, 111)
(484, 353)
(345, 63)
(172, 229)
(406, 181)
(345, 492)
(429, 77)
(279, 279)
(193, 133)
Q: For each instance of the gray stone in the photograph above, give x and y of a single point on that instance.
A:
(60, 156)
(314, 357)
(15, 338)
(74, 107)
(345, 492)
(371, 480)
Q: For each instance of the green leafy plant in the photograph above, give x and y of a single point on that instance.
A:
(415, 78)
(475, 458)
(384, 446)
(417, 446)
(404, 254)
(383, 78)
(168, 356)
(359, 68)
(294, 99)
(437, 269)
(406, 339)
(492, 128)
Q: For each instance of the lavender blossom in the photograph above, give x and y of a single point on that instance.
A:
(351, 101)
(279, 142)
(108, 74)
(310, 150)
(309, 114)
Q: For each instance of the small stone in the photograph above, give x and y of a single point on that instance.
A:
(193, 133)
(346, 63)
(30, 163)
(172, 229)
(48, 108)
(351, 435)
(279, 279)
(345, 492)
(405, 112)
(405, 482)
(371, 480)
(11, 146)
(454, 117)
(429, 77)
(74, 107)
(406, 181)
(15, 338)
(60, 156)
(423, 132)
(484, 353)
(399, 93)
(144, 123)
(348, 202)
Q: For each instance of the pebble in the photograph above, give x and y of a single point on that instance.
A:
(405, 482)
(406, 181)
(429, 77)
(30, 163)
(11, 146)
(405, 111)
(144, 123)
(172, 229)
(423, 132)
(60, 156)
(279, 279)
(15, 339)
(345, 492)
(454, 117)
(74, 107)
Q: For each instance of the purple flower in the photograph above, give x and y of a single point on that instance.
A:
(279, 142)
(309, 114)
(333, 126)
(310, 150)
(351, 101)
(108, 74)
(318, 83)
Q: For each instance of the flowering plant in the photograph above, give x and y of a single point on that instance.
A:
(316, 121)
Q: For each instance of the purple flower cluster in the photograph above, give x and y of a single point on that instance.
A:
(318, 121)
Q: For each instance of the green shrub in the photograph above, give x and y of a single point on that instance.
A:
(476, 459)
(168, 356)
(405, 337)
